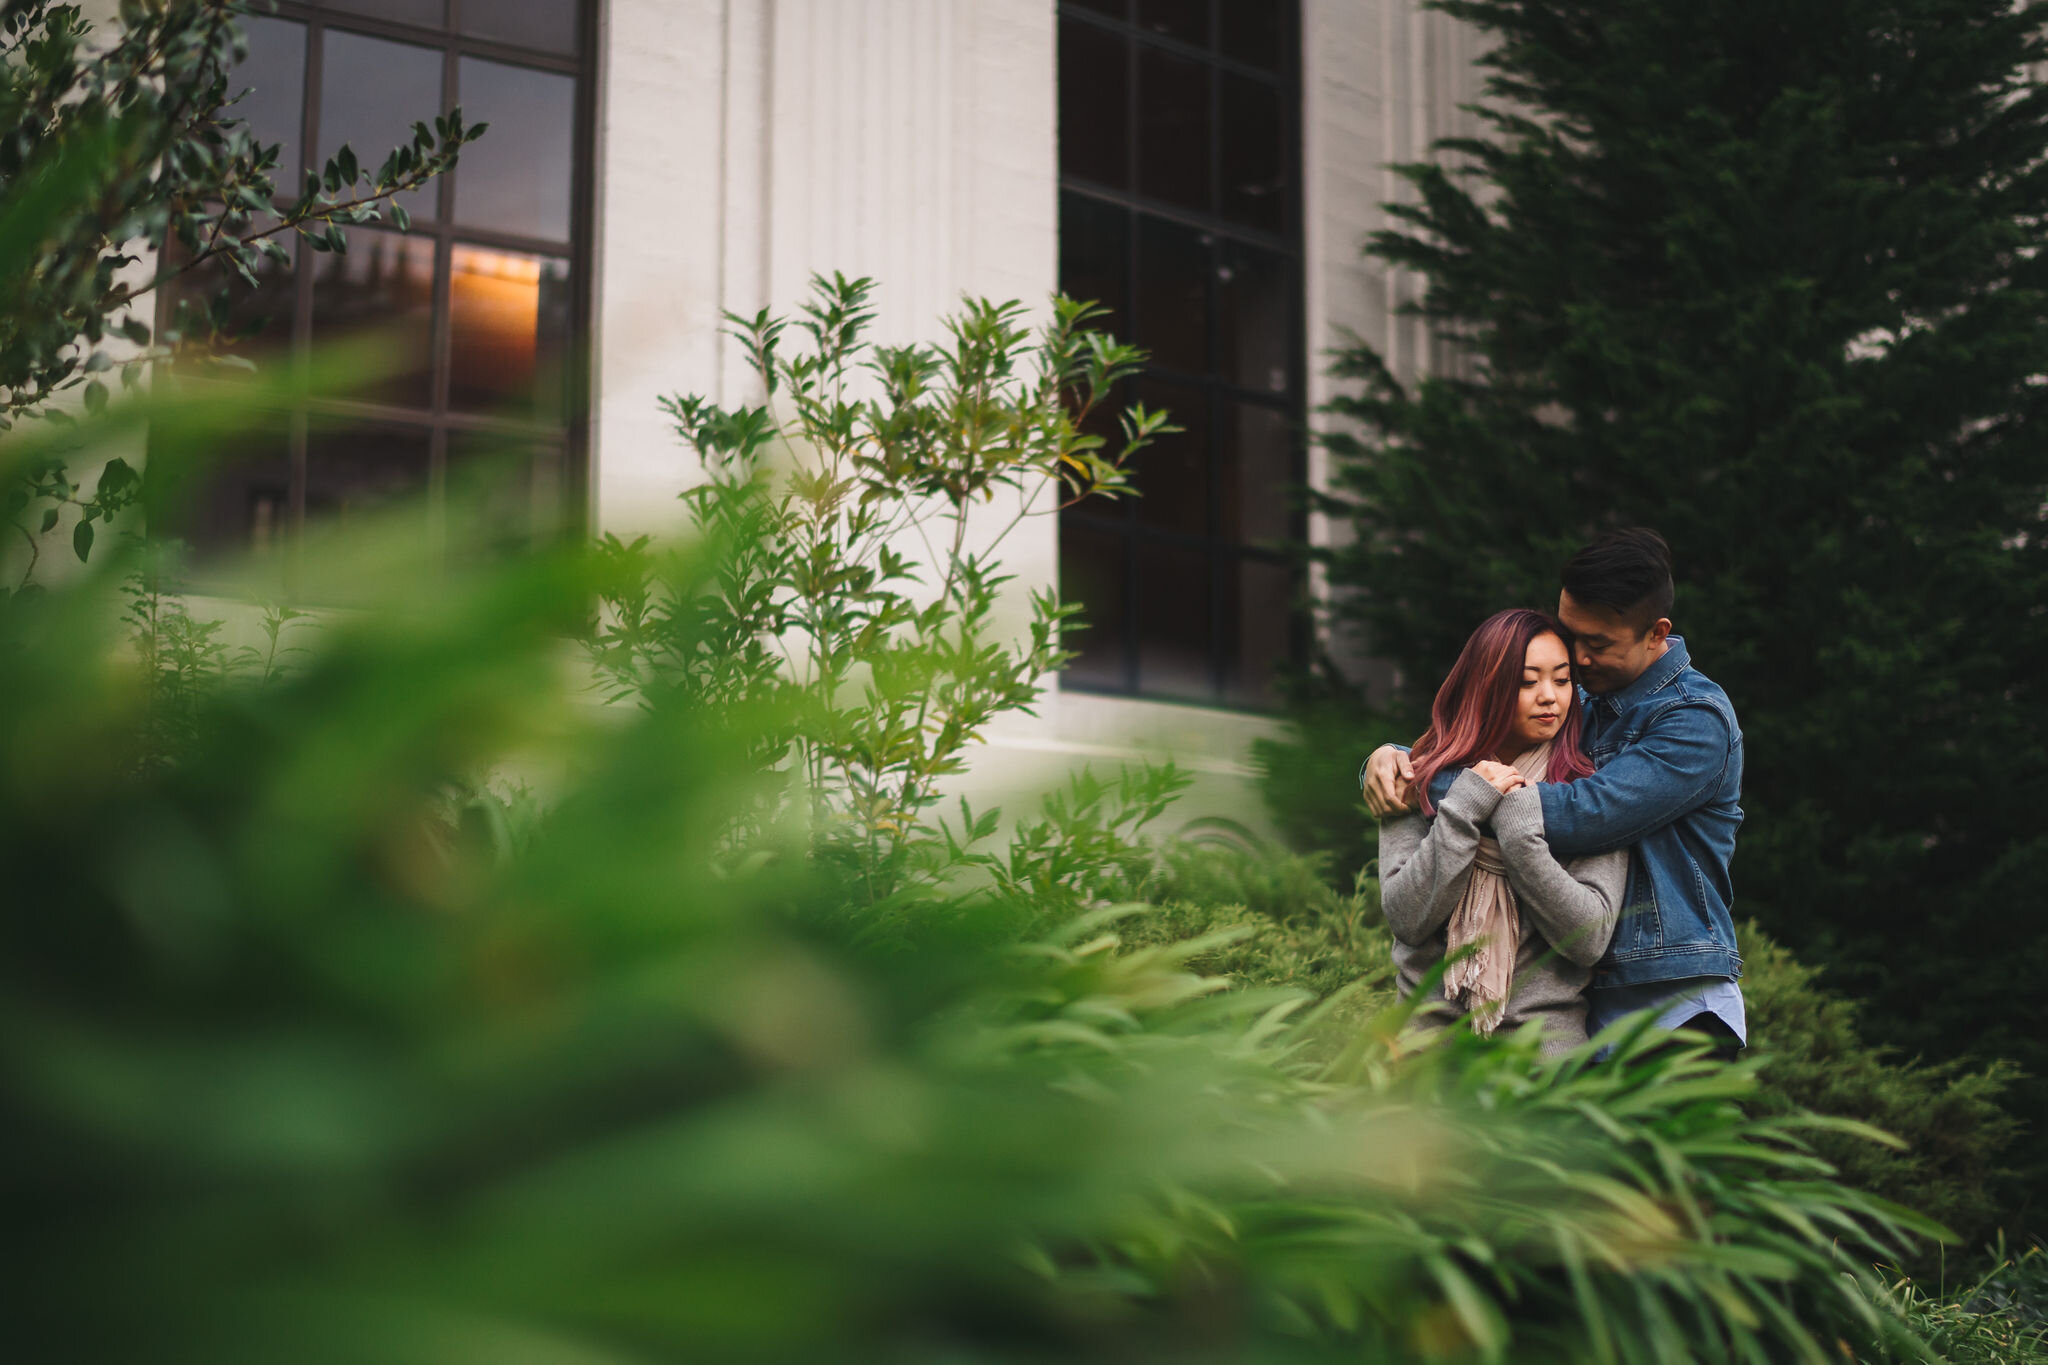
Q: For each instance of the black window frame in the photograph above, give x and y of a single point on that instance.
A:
(570, 436)
(1229, 685)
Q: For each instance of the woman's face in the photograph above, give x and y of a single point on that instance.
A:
(1546, 691)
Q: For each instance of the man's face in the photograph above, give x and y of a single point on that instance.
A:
(1607, 651)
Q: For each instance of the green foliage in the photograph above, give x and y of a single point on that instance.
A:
(120, 152)
(1981, 1324)
(318, 1050)
(1308, 777)
(182, 661)
(1085, 845)
(1956, 1132)
(858, 593)
(1764, 277)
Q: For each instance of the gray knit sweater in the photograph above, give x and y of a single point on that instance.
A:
(1425, 863)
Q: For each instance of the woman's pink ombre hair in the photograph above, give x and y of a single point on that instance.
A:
(1474, 711)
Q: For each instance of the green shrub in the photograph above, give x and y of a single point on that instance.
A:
(1991, 1322)
(1950, 1116)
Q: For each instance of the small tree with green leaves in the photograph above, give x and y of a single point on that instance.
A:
(857, 512)
(123, 166)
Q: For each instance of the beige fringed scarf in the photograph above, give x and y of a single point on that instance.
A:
(1488, 916)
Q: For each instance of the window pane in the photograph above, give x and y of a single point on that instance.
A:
(242, 505)
(1262, 605)
(508, 314)
(252, 324)
(517, 176)
(1254, 168)
(371, 93)
(1118, 9)
(355, 469)
(1254, 32)
(380, 295)
(1173, 274)
(549, 25)
(274, 74)
(1173, 129)
(1172, 473)
(1174, 646)
(1095, 258)
(1092, 573)
(1258, 474)
(1094, 105)
(1187, 20)
(1255, 318)
(504, 496)
(426, 13)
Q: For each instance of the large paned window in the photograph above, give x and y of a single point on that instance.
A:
(1179, 151)
(470, 321)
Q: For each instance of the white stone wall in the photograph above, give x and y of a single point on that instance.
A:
(745, 144)
(1381, 83)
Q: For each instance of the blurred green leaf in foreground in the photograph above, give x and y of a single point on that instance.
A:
(310, 1052)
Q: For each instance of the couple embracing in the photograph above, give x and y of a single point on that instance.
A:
(1567, 821)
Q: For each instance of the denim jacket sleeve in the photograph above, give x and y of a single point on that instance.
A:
(1677, 762)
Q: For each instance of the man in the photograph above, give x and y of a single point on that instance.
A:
(1669, 758)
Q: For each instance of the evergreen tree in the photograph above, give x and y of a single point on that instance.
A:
(1767, 278)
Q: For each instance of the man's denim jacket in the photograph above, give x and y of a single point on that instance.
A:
(1669, 755)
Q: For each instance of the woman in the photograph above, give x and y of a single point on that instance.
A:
(1474, 872)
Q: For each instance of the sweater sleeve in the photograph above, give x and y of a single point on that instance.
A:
(1574, 905)
(1424, 864)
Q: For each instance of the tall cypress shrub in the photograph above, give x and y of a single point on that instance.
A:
(1768, 278)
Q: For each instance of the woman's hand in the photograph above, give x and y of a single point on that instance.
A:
(1503, 778)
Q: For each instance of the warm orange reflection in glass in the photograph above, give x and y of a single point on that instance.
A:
(508, 314)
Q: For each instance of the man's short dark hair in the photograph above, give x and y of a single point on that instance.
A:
(1628, 572)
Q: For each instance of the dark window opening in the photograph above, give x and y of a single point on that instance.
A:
(1180, 212)
(468, 322)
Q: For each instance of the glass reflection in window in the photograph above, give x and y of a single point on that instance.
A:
(243, 506)
(508, 315)
(274, 77)
(425, 13)
(355, 469)
(253, 325)
(1092, 571)
(1175, 648)
(516, 178)
(1172, 474)
(372, 91)
(379, 294)
(549, 25)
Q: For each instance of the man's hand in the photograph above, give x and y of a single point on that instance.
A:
(1389, 783)
(1500, 776)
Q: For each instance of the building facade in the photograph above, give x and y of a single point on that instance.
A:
(1208, 169)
